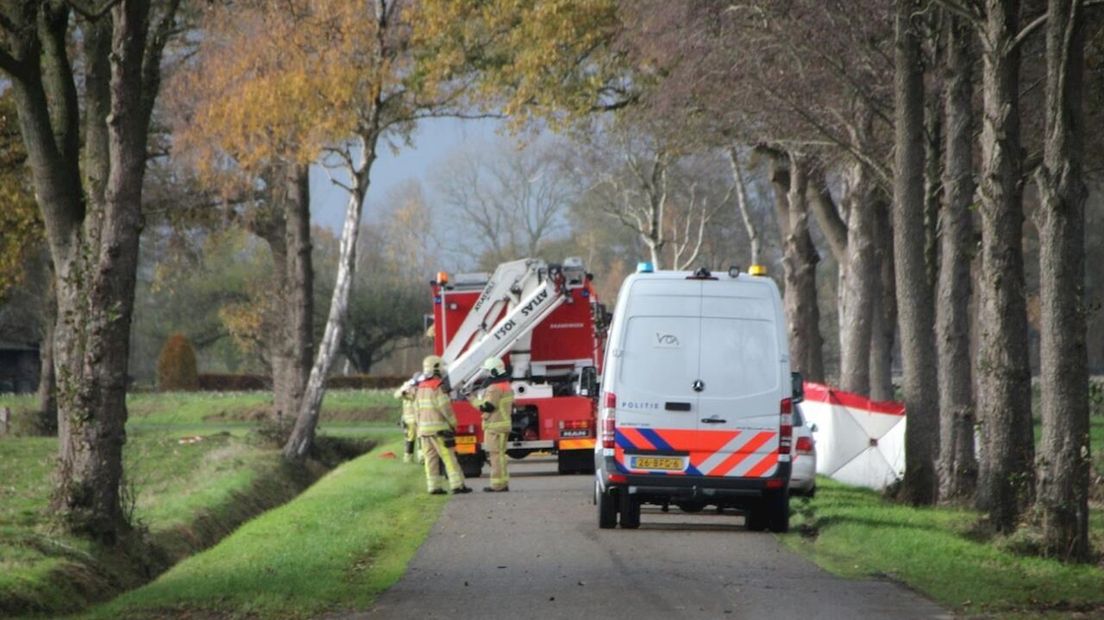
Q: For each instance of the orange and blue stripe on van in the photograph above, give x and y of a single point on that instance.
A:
(730, 453)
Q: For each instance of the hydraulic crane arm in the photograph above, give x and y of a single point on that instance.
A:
(507, 278)
(519, 321)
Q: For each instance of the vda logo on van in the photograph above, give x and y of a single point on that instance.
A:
(666, 341)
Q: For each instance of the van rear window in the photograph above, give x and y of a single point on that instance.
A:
(660, 355)
(739, 357)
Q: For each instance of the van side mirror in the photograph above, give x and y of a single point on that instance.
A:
(798, 387)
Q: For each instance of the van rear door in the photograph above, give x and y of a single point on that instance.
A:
(741, 390)
(657, 407)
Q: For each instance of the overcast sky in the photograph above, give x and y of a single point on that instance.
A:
(434, 140)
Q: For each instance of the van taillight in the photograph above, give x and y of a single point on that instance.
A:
(609, 421)
(609, 431)
(785, 439)
(804, 445)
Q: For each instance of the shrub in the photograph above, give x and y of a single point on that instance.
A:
(176, 366)
(226, 382)
(364, 382)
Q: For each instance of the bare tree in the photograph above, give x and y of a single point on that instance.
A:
(755, 244)
(1063, 484)
(509, 201)
(957, 462)
(649, 186)
(914, 292)
(1005, 475)
(789, 180)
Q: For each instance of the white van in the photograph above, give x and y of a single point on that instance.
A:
(696, 399)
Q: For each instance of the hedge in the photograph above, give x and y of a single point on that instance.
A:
(226, 382)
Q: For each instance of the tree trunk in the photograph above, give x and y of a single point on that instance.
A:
(293, 279)
(859, 285)
(957, 461)
(302, 435)
(885, 313)
(914, 293)
(93, 245)
(799, 264)
(1005, 476)
(1064, 465)
(755, 245)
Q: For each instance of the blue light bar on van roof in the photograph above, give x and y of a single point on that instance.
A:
(645, 267)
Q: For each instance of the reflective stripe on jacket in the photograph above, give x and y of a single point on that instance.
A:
(409, 415)
(433, 409)
(501, 396)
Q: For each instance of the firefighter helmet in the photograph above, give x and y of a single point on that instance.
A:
(433, 365)
(494, 366)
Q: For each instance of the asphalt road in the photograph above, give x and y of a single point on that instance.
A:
(537, 552)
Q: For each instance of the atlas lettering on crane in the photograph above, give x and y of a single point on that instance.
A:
(484, 296)
(534, 303)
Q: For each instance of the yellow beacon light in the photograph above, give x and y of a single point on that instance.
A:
(442, 277)
(757, 270)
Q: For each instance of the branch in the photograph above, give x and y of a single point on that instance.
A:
(1027, 31)
(11, 66)
(89, 13)
(962, 11)
(155, 50)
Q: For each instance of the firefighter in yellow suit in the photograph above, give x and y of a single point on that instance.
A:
(405, 394)
(496, 401)
(436, 429)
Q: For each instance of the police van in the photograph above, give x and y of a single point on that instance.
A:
(696, 398)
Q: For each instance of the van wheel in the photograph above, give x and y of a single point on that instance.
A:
(777, 508)
(607, 508)
(630, 512)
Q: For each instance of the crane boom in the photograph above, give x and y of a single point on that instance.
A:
(488, 307)
(519, 321)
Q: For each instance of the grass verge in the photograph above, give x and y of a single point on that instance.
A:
(856, 533)
(189, 483)
(334, 548)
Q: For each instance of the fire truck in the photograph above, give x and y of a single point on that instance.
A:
(547, 325)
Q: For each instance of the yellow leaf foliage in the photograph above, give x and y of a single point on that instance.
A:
(277, 81)
(21, 230)
(551, 59)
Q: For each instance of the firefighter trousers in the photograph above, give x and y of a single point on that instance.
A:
(435, 453)
(495, 444)
(413, 451)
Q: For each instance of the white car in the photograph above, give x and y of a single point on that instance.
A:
(803, 466)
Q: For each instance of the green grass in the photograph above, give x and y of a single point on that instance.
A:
(187, 494)
(335, 547)
(171, 485)
(938, 551)
(933, 550)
